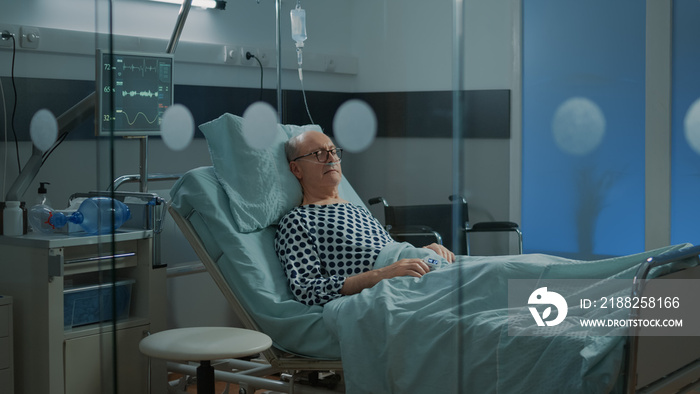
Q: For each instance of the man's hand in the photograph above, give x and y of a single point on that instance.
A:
(442, 252)
(404, 267)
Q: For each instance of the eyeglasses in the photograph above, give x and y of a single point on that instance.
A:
(322, 154)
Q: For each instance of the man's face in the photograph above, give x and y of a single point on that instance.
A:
(311, 172)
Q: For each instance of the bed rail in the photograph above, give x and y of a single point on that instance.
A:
(638, 285)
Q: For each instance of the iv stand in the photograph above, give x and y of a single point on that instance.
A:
(68, 120)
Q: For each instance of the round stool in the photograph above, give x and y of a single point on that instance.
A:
(204, 344)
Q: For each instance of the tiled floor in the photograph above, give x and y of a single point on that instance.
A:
(219, 388)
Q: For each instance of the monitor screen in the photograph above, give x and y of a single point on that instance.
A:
(141, 85)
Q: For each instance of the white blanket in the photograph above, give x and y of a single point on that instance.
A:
(447, 332)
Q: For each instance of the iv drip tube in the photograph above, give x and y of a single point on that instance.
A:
(278, 43)
(298, 19)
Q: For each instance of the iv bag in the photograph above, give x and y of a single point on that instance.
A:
(298, 16)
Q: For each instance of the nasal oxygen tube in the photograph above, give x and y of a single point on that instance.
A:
(298, 16)
(330, 163)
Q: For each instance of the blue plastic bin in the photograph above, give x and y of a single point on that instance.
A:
(92, 304)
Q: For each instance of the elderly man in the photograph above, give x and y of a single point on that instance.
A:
(327, 245)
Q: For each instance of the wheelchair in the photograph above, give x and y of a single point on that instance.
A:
(412, 222)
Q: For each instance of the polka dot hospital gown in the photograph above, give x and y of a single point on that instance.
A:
(321, 245)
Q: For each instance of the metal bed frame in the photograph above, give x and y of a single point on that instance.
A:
(683, 378)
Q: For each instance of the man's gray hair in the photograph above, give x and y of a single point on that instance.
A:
(291, 147)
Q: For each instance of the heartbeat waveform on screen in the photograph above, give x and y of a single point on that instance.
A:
(131, 122)
(143, 93)
(143, 69)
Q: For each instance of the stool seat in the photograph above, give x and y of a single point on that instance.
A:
(204, 343)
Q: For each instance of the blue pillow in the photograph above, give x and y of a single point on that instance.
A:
(259, 185)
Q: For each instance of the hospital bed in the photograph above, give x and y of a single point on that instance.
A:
(244, 265)
(251, 374)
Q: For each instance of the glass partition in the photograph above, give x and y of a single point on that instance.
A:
(530, 114)
(685, 151)
(85, 272)
(419, 97)
(583, 127)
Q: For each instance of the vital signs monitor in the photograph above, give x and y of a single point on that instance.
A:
(133, 90)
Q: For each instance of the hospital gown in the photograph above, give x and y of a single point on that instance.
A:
(321, 245)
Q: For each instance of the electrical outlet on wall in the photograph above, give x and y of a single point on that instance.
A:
(251, 61)
(232, 54)
(29, 37)
(7, 42)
